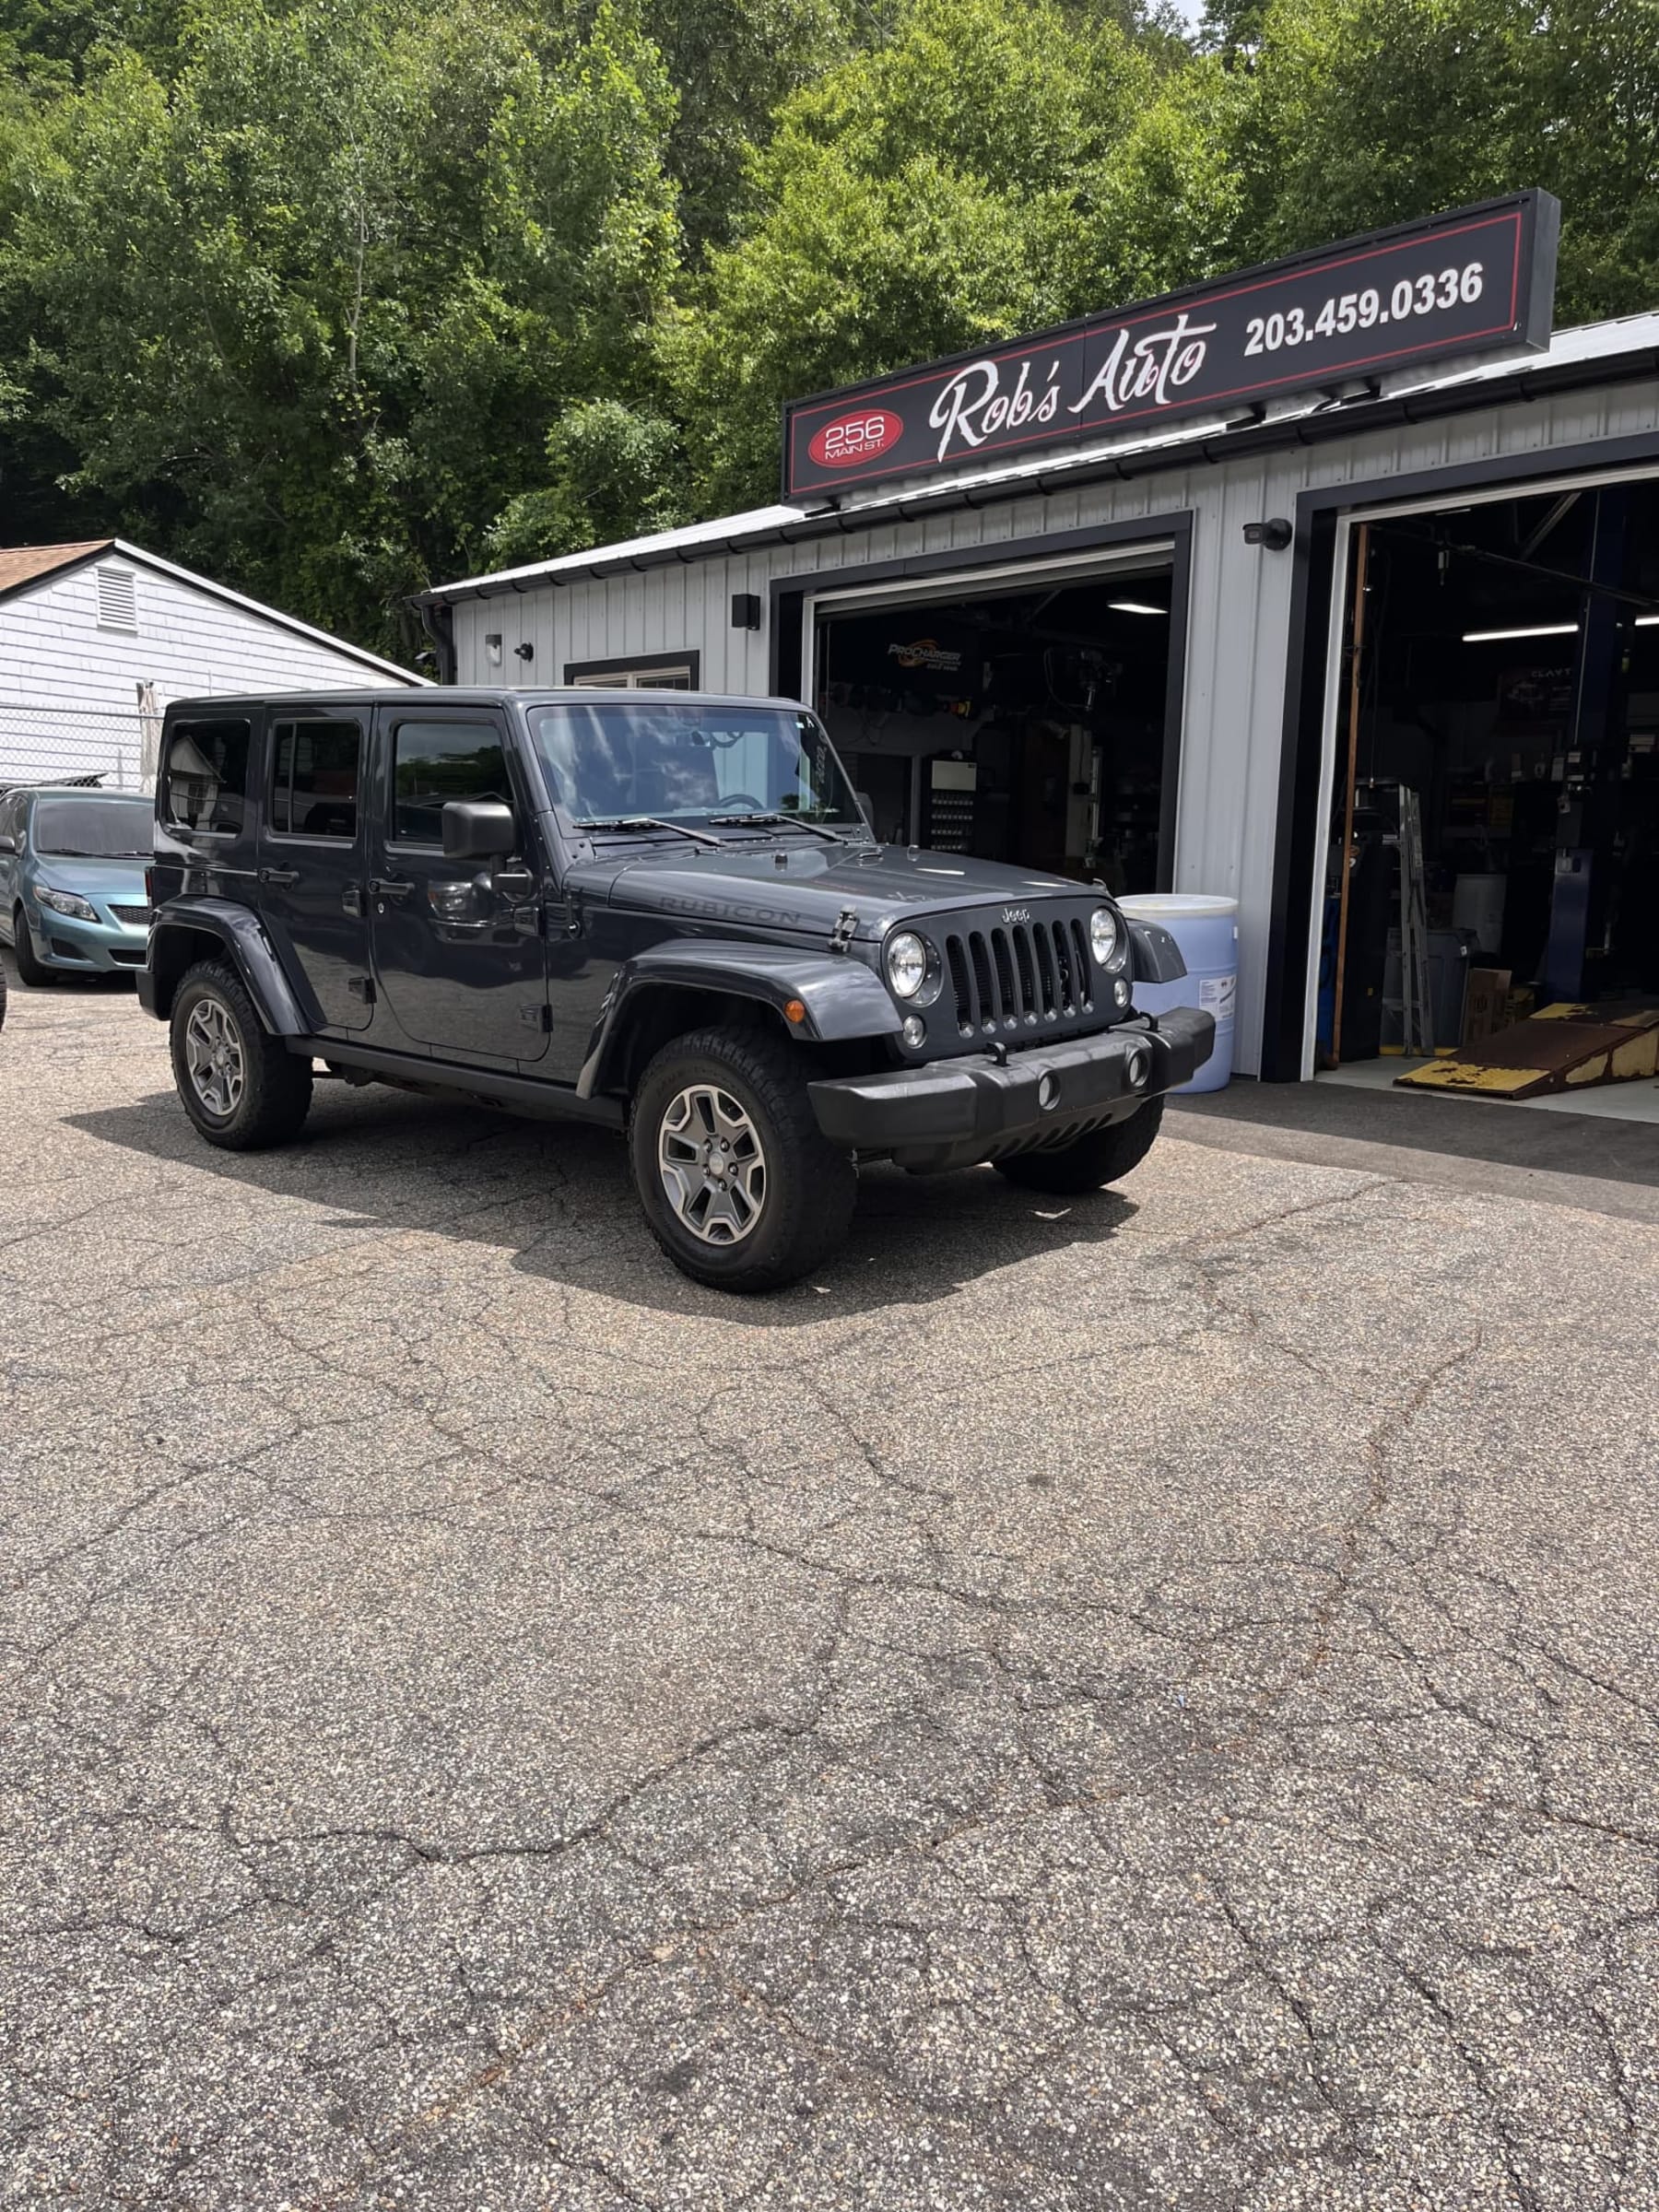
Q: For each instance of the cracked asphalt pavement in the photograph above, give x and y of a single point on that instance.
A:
(1143, 1703)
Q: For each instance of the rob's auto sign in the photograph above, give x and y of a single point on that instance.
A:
(1475, 281)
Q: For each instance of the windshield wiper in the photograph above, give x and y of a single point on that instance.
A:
(650, 822)
(771, 822)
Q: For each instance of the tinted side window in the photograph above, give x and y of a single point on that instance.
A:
(204, 775)
(314, 771)
(436, 761)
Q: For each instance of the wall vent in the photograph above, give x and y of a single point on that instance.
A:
(117, 601)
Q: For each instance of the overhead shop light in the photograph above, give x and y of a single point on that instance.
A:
(1135, 606)
(1535, 629)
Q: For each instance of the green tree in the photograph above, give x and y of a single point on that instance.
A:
(996, 165)
(1367, 111)
(614, 472)
(305, 313)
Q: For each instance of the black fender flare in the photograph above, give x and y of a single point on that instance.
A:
(843, 997)
(1157, 956)
(239, 931)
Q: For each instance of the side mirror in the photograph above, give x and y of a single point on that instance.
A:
(478, 830)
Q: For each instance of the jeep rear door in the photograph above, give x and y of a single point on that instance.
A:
(459, 959)
(312, 841)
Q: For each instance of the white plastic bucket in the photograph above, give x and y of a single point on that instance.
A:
(1206, 930)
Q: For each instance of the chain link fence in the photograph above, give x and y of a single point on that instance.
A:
(46, 745)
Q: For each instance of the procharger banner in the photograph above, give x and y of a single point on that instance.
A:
(1476, 281)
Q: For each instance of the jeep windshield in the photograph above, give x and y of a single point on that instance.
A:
(640, 766)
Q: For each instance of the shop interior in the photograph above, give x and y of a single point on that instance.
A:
(1028, 723)
(1496, 777)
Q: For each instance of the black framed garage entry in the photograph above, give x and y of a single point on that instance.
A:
(1020, 702)
(1509, 677)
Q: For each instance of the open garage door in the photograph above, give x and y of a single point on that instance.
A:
(1492, 816)
(1029, 715)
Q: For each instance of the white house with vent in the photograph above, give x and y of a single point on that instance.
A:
(97, 637)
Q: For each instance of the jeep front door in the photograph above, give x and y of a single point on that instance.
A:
(459, 957)
(312, 844)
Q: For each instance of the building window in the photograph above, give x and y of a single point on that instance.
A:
(644, 671)
(204, 776)
(314, 769)
(117, 600)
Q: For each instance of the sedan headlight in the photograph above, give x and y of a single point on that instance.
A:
(68, 902)
(1103, 935)
(906, 963)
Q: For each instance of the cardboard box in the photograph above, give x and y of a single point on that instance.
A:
(1486, 1002)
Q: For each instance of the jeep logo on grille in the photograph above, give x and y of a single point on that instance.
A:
(1016, 913)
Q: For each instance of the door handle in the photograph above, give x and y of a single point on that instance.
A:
(389, 886)
(278, 875)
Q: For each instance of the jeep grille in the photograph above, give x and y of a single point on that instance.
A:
(1025, 975)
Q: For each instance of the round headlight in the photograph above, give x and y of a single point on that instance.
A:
(906, 963)
(1102, 935)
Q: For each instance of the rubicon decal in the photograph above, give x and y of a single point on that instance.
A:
(1476, 281)
(856, 441)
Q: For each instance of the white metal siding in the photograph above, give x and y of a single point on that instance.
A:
(68, 686)
(1238, 613)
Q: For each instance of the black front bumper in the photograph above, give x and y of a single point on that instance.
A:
(951, 1112)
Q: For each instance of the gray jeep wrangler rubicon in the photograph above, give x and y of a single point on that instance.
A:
(663, 911)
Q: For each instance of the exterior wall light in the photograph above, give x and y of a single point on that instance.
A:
(746, 610)
(492, 647)
(525, 652)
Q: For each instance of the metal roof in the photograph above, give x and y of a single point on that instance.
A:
(1616, 350)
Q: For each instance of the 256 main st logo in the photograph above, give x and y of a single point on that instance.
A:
(853, 438)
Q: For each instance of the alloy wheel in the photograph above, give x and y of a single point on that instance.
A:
(712, 1163)
(213, 1054)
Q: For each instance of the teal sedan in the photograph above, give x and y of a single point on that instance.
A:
(73, 898)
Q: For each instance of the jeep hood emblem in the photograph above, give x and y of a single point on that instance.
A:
(1016, 913)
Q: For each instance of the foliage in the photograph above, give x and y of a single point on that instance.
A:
(925, 196)
(614, 472)
(1367, 111)
(335, 296)
(304, 313)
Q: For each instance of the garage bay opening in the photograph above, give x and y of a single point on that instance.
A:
(1494, 836)
(1032, 720)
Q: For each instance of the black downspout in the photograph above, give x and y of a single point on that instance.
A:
(437, 620)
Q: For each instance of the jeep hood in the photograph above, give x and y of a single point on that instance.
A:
(807, 893)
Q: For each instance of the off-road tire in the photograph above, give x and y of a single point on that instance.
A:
(32, 969)
(810, 1186)
(275, 1091)
(1091, 1163)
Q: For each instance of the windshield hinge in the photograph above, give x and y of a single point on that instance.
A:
(846, 928)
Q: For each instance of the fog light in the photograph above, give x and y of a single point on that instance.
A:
(1120, 991)
(1136, 1070)
(1048, 1092)
(915, 1030)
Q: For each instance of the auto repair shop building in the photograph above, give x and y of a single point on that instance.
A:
(1088, 601)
